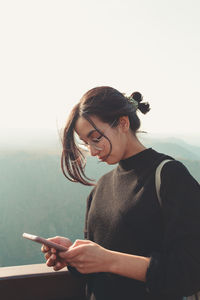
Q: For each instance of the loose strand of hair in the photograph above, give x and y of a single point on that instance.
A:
(72, 158)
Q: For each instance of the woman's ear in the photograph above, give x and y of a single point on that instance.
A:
(124, 123)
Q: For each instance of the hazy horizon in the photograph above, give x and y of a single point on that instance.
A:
(27, 139)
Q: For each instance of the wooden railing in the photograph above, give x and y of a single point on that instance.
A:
(38, 282)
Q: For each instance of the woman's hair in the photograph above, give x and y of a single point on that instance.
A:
(108, 104)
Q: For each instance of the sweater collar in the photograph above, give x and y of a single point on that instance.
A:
(138, 160)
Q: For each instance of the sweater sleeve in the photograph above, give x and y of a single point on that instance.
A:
(176, 270)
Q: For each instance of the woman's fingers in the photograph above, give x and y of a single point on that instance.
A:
(47, 255)
(59, 265)
(61, 241)
(51, 254)
(70, 254)
(86, 256)
(58, 240)
(76, 255)
(44, 249)
(75, 249)
(80, 242)
(51, 261)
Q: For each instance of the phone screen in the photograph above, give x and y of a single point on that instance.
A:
(41, 240)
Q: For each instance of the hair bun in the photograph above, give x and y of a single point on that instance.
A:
(143, 107)
(137, 96)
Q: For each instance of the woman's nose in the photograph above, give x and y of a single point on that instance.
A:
(93, 150)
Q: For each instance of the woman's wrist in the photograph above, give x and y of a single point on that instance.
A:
(111, 261)
(128, 265)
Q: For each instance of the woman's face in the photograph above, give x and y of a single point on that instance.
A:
(97, 144)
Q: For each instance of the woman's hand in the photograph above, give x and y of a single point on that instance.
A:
(51, 254)
(87, 257)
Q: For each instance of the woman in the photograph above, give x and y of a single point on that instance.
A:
(134, 248)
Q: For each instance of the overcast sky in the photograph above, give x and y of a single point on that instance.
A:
(54, 51)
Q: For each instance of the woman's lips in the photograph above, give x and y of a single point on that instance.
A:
(102, 158)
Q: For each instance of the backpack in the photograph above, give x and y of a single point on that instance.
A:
(158, 184)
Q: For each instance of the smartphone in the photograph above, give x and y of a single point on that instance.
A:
(44, 241)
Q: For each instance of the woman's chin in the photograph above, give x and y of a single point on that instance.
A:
(110, 161)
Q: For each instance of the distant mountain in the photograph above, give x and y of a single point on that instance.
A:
(173, 147)
(192, 149)
(35, 197)
(178, 149)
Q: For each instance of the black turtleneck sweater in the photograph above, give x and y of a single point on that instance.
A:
(124, 215)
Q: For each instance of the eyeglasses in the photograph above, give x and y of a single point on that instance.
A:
(94, 141)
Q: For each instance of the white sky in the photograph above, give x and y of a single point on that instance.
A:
(54, 51)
